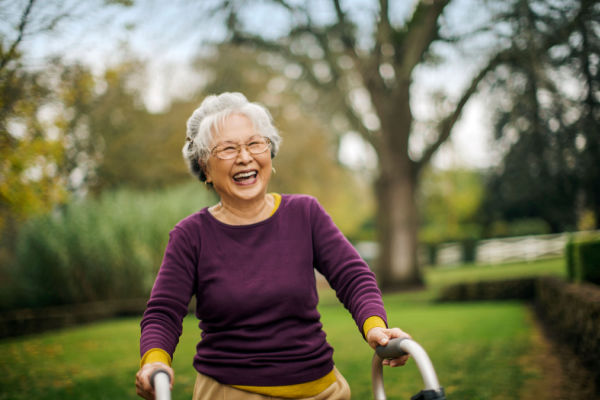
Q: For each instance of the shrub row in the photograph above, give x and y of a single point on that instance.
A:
(30, 321)
(570, 311)
(583, 259)
(507, 289)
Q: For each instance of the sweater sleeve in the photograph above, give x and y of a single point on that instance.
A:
(347, 273)
(161, 324)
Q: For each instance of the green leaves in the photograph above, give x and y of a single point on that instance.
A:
(109, 248)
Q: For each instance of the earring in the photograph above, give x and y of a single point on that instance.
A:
(274, 170)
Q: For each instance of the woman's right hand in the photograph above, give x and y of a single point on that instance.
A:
(143, 386)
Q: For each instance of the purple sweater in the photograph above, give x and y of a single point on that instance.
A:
(256, 293)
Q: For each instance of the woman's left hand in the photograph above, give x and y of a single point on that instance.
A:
(381, 336)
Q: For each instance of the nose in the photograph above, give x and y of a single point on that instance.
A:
(244, 155)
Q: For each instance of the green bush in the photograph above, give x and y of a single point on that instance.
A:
(505, 289)
(583, 259)
(589, 260)
(103, 249)
(572, 312)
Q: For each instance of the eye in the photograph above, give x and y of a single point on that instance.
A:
(228, 148)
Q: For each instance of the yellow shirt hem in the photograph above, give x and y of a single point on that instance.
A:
(307, 389)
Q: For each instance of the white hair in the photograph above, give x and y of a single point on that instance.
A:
(207, 120)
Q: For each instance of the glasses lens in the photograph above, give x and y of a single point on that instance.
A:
(226, 153)
(258, 146)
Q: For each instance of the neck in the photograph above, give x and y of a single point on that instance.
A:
(243, 212)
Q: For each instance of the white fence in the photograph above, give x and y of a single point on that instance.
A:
(525, 248)
(492, 251)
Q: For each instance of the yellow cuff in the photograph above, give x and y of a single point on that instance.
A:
(156, 355)
(373, 322)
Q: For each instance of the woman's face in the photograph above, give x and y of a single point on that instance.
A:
(246, 176)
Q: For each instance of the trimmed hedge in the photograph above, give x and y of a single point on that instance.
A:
(570, 311)
(507, 289)
(587, 258)
(583, 260)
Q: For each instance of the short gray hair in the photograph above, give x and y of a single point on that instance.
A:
(208, 119)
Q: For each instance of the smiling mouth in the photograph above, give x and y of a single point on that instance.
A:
(244, 177)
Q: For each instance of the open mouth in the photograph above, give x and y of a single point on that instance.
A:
(245, 177)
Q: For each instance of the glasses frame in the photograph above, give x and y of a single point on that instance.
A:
(238, 148)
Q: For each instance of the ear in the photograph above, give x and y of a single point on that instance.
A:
(204, 168)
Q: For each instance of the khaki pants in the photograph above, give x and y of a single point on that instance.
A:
(207, 388)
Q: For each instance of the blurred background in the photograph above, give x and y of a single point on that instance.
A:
(440, 135)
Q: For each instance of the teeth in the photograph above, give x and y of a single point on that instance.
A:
(243, 175)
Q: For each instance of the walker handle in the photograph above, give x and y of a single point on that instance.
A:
(397, 348)
(391, 350)
(161, 380)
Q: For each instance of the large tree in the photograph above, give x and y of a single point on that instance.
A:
(549, 118)
(366, 79)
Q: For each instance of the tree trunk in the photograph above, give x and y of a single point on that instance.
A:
(398, 264)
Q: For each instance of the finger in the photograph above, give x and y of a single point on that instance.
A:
(398, 333)
(143, 392)
(147, 385)
(160, 366)
(143, 382)
(383, 339)
(172, 376)
(397, 362)
(374, 336)
(138, 385)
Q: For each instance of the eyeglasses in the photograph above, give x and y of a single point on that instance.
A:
(228, 151)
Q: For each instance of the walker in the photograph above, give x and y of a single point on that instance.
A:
(399, 347)
(395, 348)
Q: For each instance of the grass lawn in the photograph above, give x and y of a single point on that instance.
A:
(479, 350)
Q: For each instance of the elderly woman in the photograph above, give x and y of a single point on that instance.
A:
(250, 261)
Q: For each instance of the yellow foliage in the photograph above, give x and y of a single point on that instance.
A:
(587, 221)
(29, 183)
